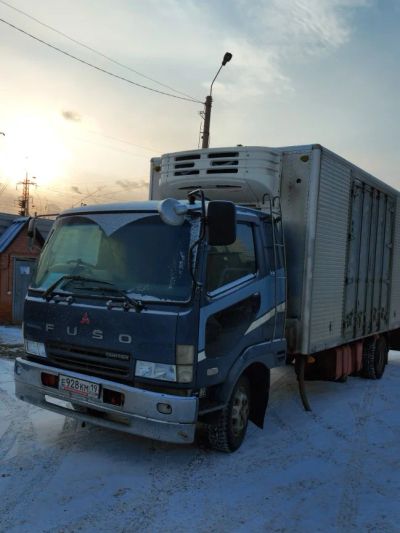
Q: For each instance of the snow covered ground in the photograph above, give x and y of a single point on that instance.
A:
(11, 335)
(335, 469)
(11, 342)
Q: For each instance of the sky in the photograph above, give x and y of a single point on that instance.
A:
(302, 72)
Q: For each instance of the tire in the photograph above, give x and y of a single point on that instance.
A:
(374, 358)
(227, 433)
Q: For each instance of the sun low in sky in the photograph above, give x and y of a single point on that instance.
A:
(309, 71)
(34, 144)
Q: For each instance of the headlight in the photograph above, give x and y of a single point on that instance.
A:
(35, 348)
(146, 369)
(182, 372)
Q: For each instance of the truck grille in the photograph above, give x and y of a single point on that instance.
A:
(103, 363)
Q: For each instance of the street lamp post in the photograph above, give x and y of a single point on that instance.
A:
(208, 104)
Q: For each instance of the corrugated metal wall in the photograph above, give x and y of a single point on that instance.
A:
(394, 321)
(330, 253)
(370, 248)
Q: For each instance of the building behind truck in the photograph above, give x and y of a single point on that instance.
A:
(18, 257)
(279, 255)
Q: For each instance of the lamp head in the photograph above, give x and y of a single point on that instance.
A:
(227, 58)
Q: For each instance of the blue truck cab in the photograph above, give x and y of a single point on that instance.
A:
(151, 317)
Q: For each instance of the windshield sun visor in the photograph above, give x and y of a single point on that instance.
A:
(111, 224)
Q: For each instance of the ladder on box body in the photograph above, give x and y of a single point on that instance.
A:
(271, 206)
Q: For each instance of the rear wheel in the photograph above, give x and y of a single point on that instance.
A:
(375, 355)
(226, 434)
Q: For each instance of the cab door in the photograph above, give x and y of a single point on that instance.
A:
(236, 295)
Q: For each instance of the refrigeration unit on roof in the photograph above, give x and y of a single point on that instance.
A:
(241, 174)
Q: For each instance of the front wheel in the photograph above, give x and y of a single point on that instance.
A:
(226, 434)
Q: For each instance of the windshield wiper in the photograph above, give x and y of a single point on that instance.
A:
(110, 287)
(128, 302)
(48, 293)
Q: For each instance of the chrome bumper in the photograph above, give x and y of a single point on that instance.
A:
(138, 415)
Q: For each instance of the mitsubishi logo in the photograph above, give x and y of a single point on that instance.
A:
(85, 319)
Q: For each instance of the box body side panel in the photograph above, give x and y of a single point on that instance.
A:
(369, 259)
(349, 250)
(330, 252)
(394, 320)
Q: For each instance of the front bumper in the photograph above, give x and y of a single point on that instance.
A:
(138, 415)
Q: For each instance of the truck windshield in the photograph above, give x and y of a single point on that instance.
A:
(143, 257)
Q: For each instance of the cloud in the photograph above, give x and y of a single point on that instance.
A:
(131, 185)
(273, 35)
(72, 116)
(308, 26)
(256, 70)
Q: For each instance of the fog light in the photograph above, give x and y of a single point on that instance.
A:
(113, 397)
(164, 408)
(17, 369)
(49, 380)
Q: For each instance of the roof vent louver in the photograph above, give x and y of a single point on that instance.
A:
(224, 162)
(187, 157)
(222, 171)
(186, 173)
(214, 155)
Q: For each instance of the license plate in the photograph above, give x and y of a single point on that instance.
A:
(83, 388)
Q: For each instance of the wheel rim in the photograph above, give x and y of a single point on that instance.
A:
(240, 412)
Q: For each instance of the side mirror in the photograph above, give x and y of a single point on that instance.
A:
(221, 223)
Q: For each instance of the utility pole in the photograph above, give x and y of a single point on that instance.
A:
(208, 104)
(23, 200)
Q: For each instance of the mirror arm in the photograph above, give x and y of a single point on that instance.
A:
(192, 198)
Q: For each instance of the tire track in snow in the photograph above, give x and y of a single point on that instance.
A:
(30, 469)
(348, 505)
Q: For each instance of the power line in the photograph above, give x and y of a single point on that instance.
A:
(101, 54)
(104, 71)
(109, 146)
(152, 150)
(88, 196)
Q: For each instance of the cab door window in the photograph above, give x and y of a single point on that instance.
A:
(226, 264)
